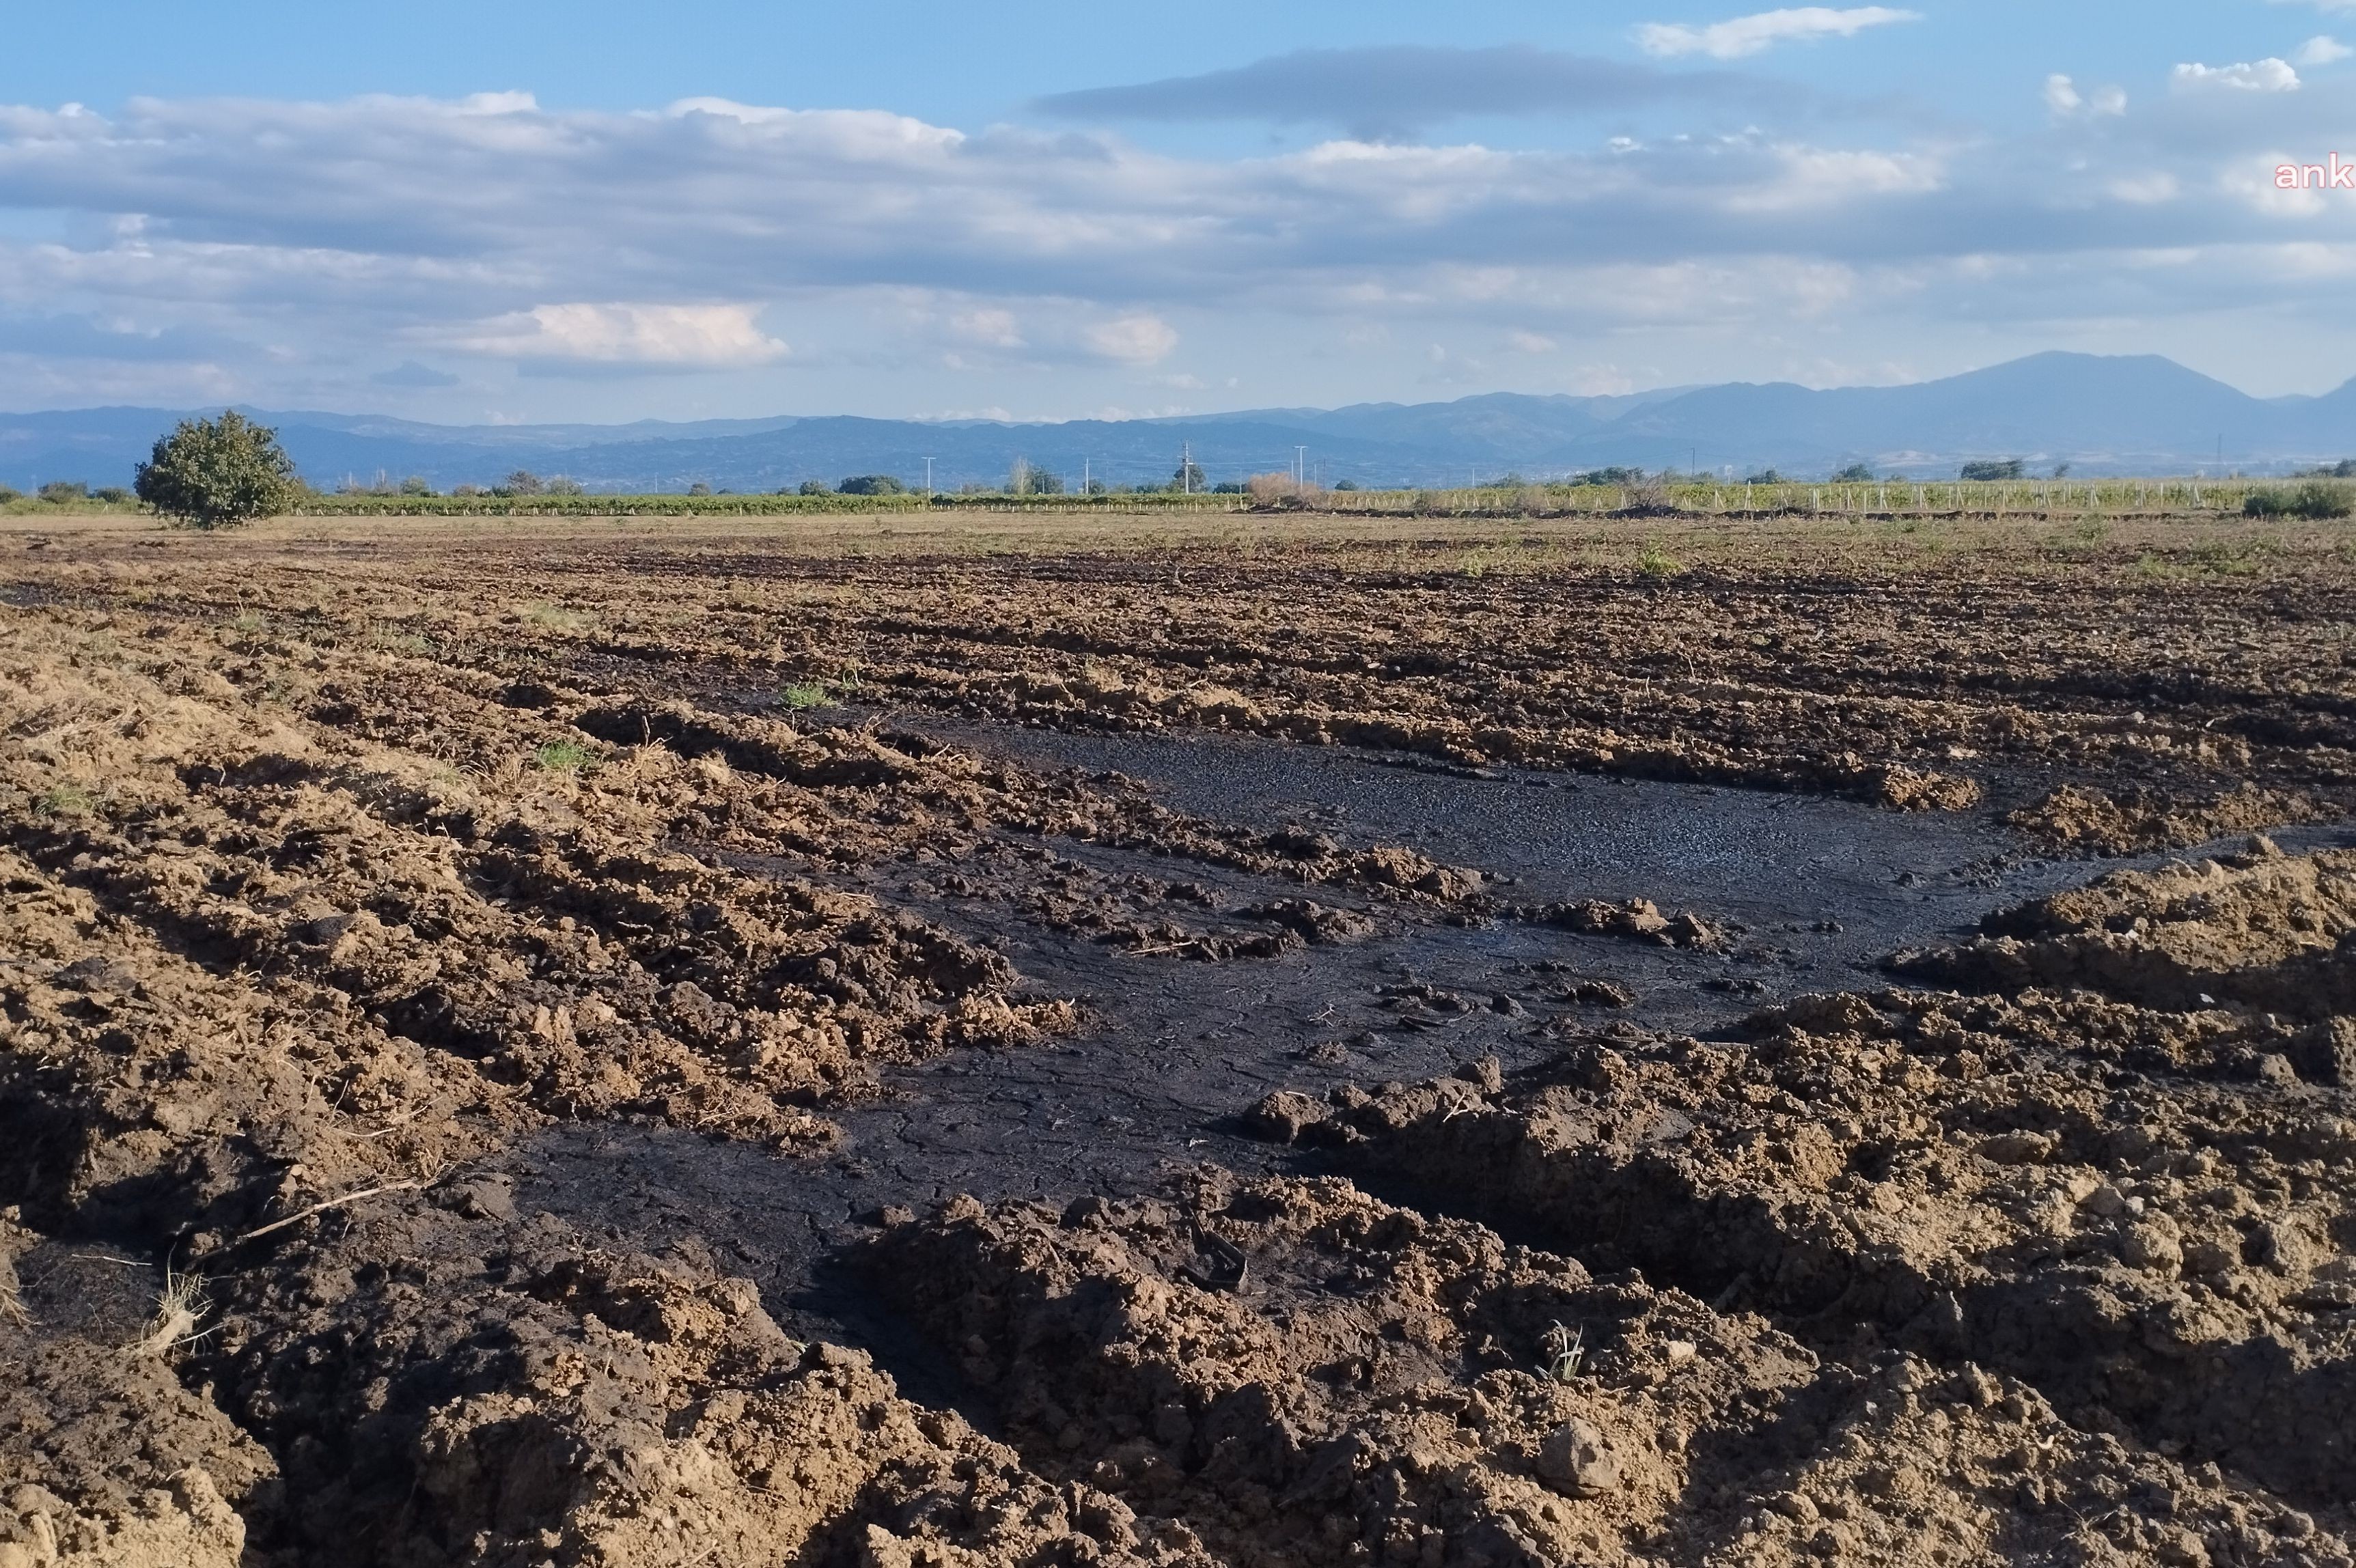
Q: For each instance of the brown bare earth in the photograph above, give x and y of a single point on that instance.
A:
(574, 1043)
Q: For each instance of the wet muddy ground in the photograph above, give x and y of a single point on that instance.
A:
(1815, 895)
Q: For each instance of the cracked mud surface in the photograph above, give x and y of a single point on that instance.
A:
(1528, 1065)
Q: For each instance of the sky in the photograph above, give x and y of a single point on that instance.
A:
(508, 210)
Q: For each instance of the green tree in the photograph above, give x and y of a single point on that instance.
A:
(814, 488)
(64, 492)
(211, 473)
(522, 482)
(1854, 474)
(2009, 468)
(873, 484)
(1189, 477)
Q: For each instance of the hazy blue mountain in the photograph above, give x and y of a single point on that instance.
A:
(2138, 414)
(2128, 413)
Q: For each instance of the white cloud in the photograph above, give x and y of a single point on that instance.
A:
(2322, 49)
(2062, 97)
(1522, 342)
(276, 251)
(1134, 339)
(1749, 35)
(700, 336)
(989, 326)
(2268, 75)
(1816, 177)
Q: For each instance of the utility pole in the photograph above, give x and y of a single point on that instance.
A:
(1088, 485)
(1300, 466)
(928, 481)
(1185, 467)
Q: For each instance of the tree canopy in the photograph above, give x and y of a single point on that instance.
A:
(210, 473)
(1994, 468)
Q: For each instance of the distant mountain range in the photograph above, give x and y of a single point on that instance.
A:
(2100, 414)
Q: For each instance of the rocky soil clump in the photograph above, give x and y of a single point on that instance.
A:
(2120, 1169)
(1298, 1374)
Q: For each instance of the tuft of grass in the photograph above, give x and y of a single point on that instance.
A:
(804, 694)
(250, 622)
(2228, 560)
(1656, 563)
(179, 1308)
(65, 798)
(557, 618)
(1562, 1351)
(392, 640)
(562, 757)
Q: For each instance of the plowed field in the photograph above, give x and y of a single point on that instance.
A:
(1251, 1041)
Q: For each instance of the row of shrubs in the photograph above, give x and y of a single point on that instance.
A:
(68, 493)
(2315, 499)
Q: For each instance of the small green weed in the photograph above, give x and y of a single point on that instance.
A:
(804, 694)
(394, 640)
(65, 798)
(557, 618)
(562, 757)
(1656, 563)
(2228, 560)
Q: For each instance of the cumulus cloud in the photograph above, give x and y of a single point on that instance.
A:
(2062, 97)
(258, 245)
(988, 325)
(2268, 75)
(678, 336)
(2322, 49)
(1135, 339)
(1751, 34)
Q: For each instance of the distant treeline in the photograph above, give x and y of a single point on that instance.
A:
(2320, 495)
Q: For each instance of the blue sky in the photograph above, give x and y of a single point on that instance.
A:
(508, 210)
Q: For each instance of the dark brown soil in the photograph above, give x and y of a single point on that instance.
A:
(668, 1050)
